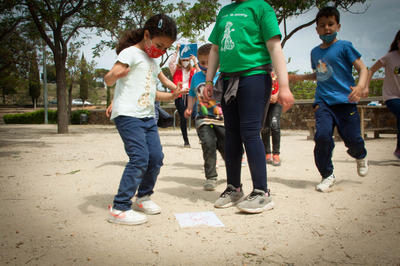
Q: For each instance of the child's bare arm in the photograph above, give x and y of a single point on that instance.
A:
(119, 70)
(359, 90)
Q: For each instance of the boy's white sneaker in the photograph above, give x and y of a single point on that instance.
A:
(126, 217)
(144, 204)
(362, 166)
(326, 184)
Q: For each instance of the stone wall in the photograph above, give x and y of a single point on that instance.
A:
(295, 118)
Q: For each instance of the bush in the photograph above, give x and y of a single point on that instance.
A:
(76, 116)
(37, 117)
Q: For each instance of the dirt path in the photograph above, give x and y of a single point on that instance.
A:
(55, 190)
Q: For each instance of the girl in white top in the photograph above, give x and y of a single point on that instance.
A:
(135, 74)
(391, 82)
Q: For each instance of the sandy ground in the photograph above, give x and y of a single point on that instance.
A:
(55, 190)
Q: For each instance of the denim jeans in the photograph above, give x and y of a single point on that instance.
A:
(272, 128)
(242, 118)
(143, 147)
(180, 104)
(212, 139)
(347, 120)
(394, 106)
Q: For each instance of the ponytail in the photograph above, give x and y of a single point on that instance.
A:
(157, 25)
(130, 38)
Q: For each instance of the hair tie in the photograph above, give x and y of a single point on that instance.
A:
(160, 24)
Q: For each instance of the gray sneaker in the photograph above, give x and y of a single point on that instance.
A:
(211, 184)
(229, 197)
(258, 201)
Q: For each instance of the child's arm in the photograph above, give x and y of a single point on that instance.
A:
(278, 61)
(172, 60)
(119, 70)
(213, 63)
(167, 96)
(375, 67)
(358, 90)
(195, 64)
(190, 104)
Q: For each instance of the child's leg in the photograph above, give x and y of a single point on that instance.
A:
(394, 107)
(209, 148)
(347, 120)
(180, 106)
(155, 162)
(132, 132)
(324, 143)
(275, 124)
(251, 97)
(266, 132)
(220, 133)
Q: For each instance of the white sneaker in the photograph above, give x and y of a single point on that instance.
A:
(126, 217)
(362, 166)
(144, 204)
(326, 183)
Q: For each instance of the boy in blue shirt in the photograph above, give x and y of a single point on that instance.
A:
(336, 97)
(209, 120)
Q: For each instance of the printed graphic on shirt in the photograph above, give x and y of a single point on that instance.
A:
(397, 70)
(324, 71)
(227, 43)
(207, 108)
(144, 100)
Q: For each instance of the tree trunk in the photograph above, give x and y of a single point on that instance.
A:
(62, 115)
(70, 102)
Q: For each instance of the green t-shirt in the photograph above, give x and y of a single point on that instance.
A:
(241, 31)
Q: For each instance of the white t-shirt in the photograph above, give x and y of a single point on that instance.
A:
(135, 93)
(391, 82)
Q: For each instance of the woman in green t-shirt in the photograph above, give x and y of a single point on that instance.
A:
(245, 41)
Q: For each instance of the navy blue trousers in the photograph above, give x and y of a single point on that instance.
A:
(242, 118)
(347, 120)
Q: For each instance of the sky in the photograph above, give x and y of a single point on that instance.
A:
(371, 34)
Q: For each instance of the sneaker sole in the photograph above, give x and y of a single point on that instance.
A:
(325, 190)
(209, 188)
(145, 211)
(115, 221)
(229, 204)
(267, 207)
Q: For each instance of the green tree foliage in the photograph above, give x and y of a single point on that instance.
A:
(84, 80)
(287, 9)
(34, 80)
(59, 22)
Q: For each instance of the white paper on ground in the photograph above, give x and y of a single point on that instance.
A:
(195, 219)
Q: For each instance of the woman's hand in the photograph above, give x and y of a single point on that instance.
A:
(208, 91)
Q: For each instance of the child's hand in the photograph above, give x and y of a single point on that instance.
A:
(356, 94)
(179, 91)
(188, 113)
(109, 110)
(178, 47)
(274, 98)
(193, 58)
(365, 92)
